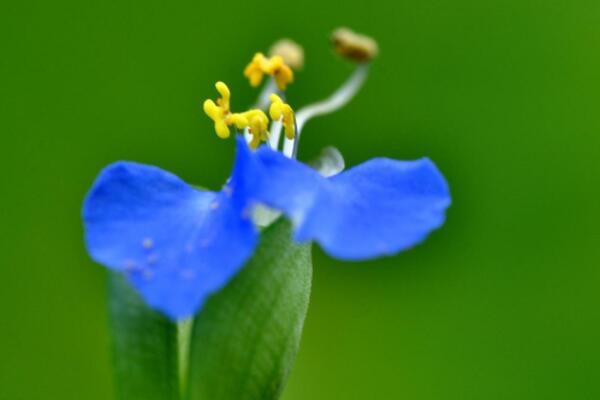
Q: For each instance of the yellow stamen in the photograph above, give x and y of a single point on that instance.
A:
(255, 120)
(279, 109)
(217, 115)
(223, 90)
(256, 69)
(275, 66)
(281, 72)
(219, 112)
(239, 120)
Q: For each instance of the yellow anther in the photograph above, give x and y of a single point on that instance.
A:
(223, 101)
(256, 69)
(219, 112)
(281, 72)
(257, 123)
(275, 66)
(255, 120)
(239, 120)
(354, 46)
(218, 116)
(279, 109)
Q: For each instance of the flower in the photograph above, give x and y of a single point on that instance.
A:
(176, 244)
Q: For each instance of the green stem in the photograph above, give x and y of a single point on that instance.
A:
(184, 330)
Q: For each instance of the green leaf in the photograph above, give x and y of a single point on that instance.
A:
(241, 345)
(145, 351)
(245, 339)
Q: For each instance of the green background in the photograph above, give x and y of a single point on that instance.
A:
(502, 303)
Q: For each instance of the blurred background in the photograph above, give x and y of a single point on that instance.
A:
(502, 303)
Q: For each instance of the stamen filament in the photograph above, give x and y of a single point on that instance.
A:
(275, 130)
(263, 101)
(337, 100)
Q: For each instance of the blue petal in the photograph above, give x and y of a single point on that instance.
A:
(380, 207)
(176, 244)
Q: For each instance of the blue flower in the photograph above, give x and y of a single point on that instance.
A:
(176, 244)
(380, 207)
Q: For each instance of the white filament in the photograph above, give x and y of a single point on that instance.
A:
(337, 100)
